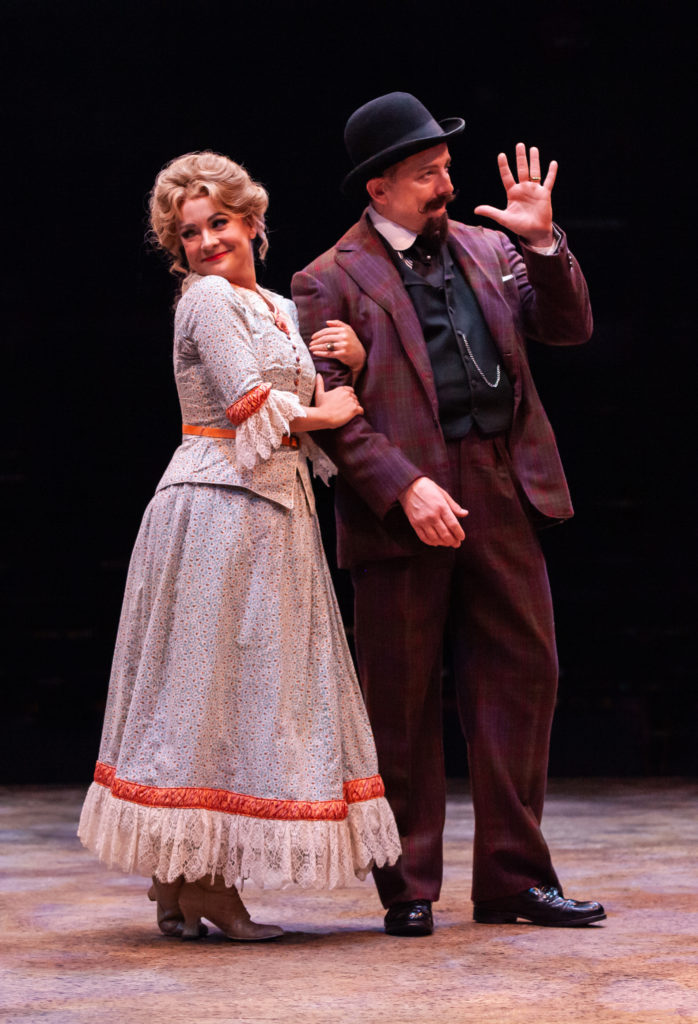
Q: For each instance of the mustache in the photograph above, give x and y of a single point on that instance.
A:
(438, 201)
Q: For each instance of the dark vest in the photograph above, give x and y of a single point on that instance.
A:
(471, 384)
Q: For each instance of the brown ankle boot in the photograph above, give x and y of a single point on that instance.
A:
(224, 908)
(170, 917)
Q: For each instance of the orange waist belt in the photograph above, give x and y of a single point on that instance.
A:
(191, 428)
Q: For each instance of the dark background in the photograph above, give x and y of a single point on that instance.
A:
(97, 98)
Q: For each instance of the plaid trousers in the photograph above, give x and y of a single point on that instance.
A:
(490, 599)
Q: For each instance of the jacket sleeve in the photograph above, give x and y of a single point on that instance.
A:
(371, 464)
(549, 291)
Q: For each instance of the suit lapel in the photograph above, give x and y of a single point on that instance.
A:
(362, 255)
(484, 274)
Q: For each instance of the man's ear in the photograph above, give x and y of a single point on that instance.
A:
(376, 188)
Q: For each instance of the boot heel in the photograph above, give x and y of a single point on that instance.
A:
(168, 914)
(191, 907)
(493, 917)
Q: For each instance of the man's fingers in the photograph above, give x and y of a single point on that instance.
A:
(527, 169)
(551, 175)
(432, 513)
(521, 162)
(437, 538)
(449, 530)
(444, 531)
(455, 507)
(505, 171)
(456, 532)
(489, 211)
(534, 163)
(428, 536)
(450, 521)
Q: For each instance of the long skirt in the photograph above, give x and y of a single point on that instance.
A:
(235, 738)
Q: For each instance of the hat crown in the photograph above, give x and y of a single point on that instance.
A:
(385, 122)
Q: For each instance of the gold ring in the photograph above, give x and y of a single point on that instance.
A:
(534, 177)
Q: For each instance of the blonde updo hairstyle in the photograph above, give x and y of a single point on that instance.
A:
(204, 174)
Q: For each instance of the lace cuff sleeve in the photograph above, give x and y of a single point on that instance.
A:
(241, 410)
(260, 433)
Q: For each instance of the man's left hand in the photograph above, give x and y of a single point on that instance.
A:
(529, 212)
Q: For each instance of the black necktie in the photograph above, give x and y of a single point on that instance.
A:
(418, 258)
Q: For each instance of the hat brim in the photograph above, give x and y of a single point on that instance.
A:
(372, 168)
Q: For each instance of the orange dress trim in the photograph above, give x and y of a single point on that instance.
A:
(241, 410)
(355, 791)
(291, 441)
(197, 431)
(358, 790)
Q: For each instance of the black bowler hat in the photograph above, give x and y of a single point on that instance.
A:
(388, 129)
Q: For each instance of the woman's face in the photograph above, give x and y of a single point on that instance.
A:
(217, 241)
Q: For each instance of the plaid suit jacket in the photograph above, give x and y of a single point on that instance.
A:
(399, 437)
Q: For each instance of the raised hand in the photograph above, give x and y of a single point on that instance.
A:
(529, 211)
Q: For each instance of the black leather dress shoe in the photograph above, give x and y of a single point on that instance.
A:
(411, 918)
(543, 905)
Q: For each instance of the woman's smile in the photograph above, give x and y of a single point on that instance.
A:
(203, 227)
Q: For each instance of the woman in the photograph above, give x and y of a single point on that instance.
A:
(235, 744)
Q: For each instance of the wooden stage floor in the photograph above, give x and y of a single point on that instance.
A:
(79, 942)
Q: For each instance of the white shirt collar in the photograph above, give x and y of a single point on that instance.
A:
(395, 235)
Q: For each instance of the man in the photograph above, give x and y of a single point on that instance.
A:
(452, 427)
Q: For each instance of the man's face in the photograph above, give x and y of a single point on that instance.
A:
(415, 189)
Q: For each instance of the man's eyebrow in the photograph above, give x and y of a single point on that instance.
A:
(432, 163)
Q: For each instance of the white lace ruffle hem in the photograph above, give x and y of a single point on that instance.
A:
(272, 854)
(261, 433)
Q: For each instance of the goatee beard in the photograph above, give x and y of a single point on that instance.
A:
(434, 233)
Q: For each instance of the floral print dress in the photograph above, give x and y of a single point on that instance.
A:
(235, 738)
